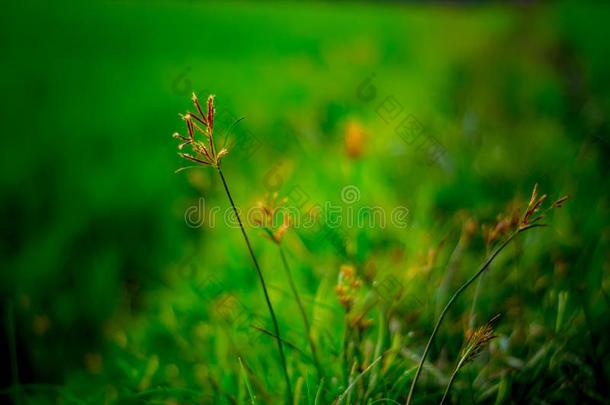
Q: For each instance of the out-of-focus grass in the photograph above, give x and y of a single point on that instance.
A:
(111, 288)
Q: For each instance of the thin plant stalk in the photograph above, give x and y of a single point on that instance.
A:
(247, 381)
(348, 390)
(276, 327)
(297, 297)
(452, 378)
(475, 299)
(473, 346)
(454, 297)
(320, 387)
(346, 337)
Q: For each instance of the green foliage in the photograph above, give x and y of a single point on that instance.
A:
(110, 296)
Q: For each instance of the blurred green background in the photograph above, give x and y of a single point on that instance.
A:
(106, 290)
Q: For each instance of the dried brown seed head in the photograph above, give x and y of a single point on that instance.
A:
(347, 286)
(479, 339)
(203, 154)
(535, 206)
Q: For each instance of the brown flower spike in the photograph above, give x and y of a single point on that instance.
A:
(268, 221)
(347, 286)
(535, 206)
(203, 154)
(479, 339)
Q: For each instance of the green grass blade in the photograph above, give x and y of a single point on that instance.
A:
(247, 382)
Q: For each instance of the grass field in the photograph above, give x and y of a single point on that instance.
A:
(405, 141)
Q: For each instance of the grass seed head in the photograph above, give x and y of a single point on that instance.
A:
(347, 286)
(479, 339)
(535, 207)
(203, 154)
(267, 219)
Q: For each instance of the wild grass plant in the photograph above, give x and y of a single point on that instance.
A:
(364, 376)
(205, 154)
(116, 290)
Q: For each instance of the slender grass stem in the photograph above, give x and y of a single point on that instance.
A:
(344, 354)
(319, 392)
(475, 299)
(355, 380)
(454, 297)
(452, 379)
(247, 381)
(314, 353)
(264, 286)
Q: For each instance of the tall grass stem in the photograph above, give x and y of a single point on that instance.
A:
(454, 297)
(297, 297)
(276, 327)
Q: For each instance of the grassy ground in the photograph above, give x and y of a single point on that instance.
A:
(110, 294)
